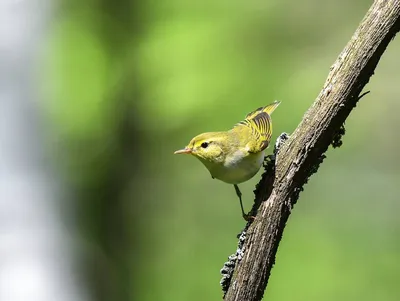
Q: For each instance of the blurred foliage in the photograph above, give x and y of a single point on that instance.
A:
(129, 82)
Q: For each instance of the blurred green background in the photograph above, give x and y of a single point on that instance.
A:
(128, 82)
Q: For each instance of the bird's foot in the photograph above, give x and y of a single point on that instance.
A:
(248, 217)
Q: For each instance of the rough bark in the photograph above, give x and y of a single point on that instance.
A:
(301, 155)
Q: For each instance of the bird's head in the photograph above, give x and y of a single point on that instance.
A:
(208, 147)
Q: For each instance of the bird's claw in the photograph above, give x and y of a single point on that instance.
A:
(248, 217)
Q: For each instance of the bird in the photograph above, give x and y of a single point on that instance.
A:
(236, 155)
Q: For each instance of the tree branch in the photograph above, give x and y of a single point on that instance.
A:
(302, 153)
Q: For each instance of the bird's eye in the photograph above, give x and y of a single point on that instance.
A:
(204, 145)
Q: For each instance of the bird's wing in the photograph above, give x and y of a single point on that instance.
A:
(260, 124)
(267, 109)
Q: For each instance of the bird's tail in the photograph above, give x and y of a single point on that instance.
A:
(267, 109)
(271, 107)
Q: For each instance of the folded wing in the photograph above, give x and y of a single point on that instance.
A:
(260, 124)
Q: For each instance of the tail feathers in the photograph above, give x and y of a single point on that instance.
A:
(271, 107)
(267, 109)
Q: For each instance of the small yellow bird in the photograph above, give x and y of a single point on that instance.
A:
(235, 156)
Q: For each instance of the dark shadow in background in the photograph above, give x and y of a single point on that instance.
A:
(110, 166)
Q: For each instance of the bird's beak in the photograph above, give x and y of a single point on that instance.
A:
(186, 150)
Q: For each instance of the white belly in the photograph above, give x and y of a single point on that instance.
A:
(238, 167)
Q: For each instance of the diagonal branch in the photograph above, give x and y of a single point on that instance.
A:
(301, 155)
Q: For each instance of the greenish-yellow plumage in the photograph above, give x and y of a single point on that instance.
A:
(235, 156)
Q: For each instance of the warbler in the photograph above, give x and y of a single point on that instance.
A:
(236, 155)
